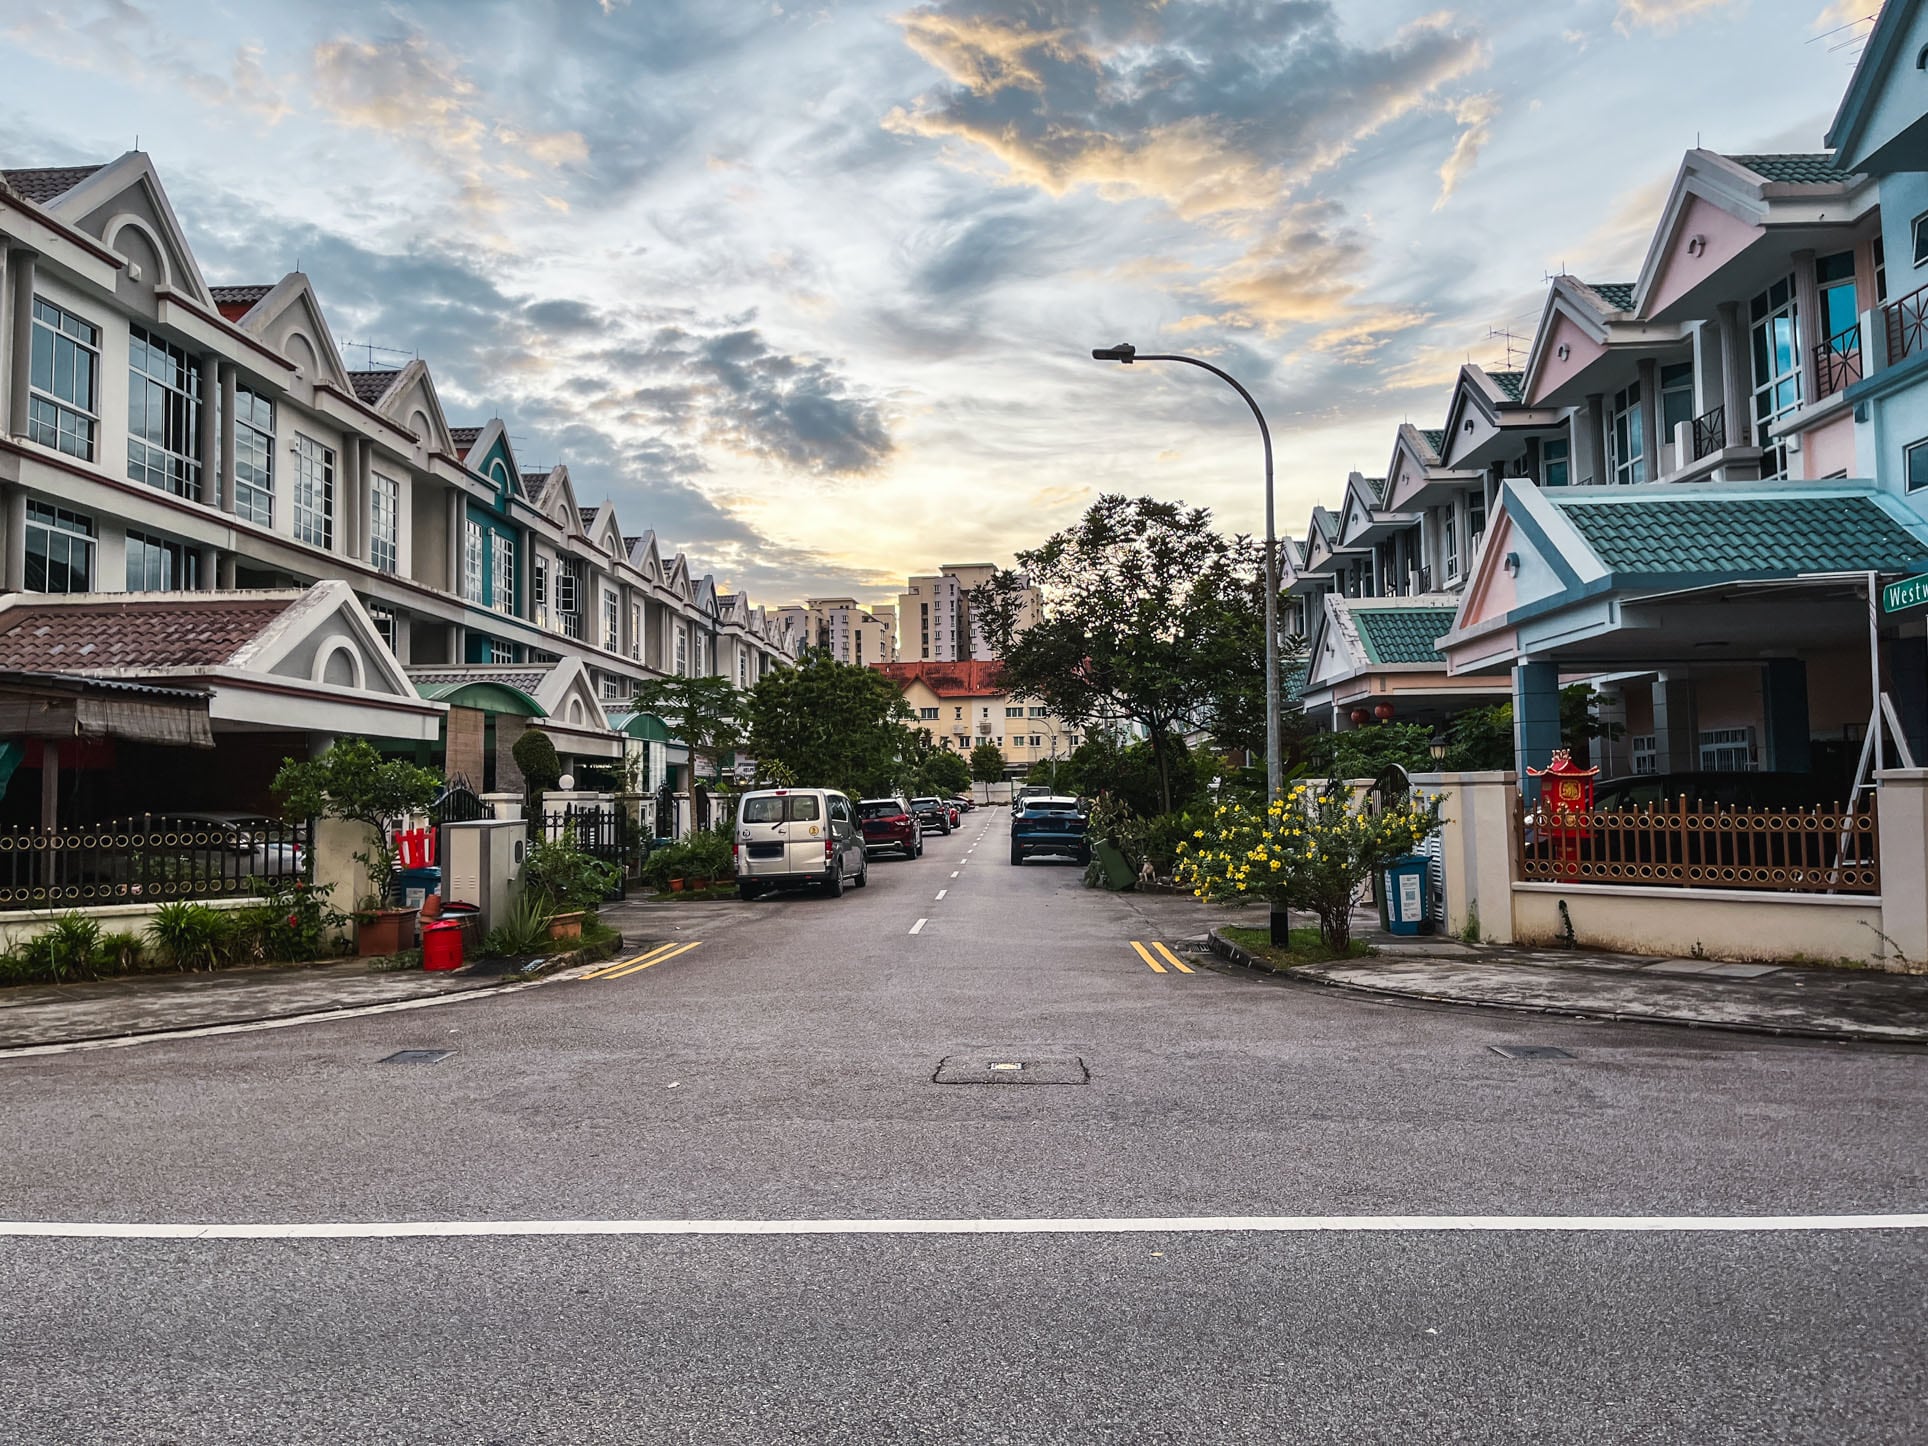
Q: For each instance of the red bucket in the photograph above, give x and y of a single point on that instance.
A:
(442, 946)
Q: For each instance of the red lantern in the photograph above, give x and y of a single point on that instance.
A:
(1360, 717)
(1383, 712)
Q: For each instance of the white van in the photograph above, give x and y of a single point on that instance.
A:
(786, 837)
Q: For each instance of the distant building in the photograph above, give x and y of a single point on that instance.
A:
(848, 631)
(966, 704)
(935, 617)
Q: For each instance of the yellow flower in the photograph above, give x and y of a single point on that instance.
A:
(1241, 888)
(1198, 833)
(1275, 866)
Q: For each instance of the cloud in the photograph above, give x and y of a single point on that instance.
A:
(1665, 15)
(1840, 14)
(1475, 115)
(406, 87)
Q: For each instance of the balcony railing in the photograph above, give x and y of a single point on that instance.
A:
(1837, 362)
(1685, 845)
(1710, 432)
(1907, 325)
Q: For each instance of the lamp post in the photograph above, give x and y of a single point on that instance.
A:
(1126, 353)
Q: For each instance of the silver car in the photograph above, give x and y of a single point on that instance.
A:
(790, 837)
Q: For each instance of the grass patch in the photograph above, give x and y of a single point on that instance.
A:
(715, 891)
(1307, 948)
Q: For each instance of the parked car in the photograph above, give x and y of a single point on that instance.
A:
(934, 813)
(152, 852)
(1049, 824)
(1029, 791)
(888, 823)
(964, 805)
(792, 837)
(1730, 790)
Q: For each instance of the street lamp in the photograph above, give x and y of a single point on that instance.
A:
(1126, 353)
(1438, 744)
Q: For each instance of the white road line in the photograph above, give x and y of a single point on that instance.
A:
(940, 895)
(953, 873)
(1149, 1225)
(918, 927)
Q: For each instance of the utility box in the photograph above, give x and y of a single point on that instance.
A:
(482, 865)
(1409, 904)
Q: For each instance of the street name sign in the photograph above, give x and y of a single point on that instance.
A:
(1905, 596)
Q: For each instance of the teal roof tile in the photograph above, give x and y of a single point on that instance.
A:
(1509, 383)
(1437, 441)
(1617, 294)
(1375, 488)
(1402, 635)
(1816, 168)
(1750, 536)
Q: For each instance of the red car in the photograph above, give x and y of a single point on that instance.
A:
(889, 823)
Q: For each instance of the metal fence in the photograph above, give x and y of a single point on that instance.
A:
(602, 833)
(148, 860)
(1693, 846)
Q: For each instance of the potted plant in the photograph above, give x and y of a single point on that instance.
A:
(570, 881)
(352, 781)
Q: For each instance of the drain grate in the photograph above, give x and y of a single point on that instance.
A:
(1529, 1051)
(1011, 1069)
(418, 1056)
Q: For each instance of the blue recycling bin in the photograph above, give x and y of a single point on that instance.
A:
(1409, 902)
(412, 886)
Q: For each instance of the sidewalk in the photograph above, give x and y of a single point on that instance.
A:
(140, 1004)
(1846, 1004)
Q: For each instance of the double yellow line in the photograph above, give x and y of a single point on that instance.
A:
(1169, 957)
(660, 954)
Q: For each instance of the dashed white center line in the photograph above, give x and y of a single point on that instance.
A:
(953, 873)
(918, 927)
(941, 893)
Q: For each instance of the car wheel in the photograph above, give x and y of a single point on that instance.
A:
(910, 850)
(1084, 858)
(1016, 857)
(833, 882)
(920, 850)
(747, 892)
(863, 875)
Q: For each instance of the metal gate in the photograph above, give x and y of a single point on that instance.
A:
(602, 833)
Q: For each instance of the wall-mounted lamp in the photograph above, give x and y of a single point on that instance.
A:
(1696, 245)
(1469, 424)
(1512, 564)
(1563, 351)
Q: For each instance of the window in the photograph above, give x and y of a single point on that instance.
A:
(1834, 278)
(1475, 523)
(156, 565)
(928, 715)
(1645, 755)
(1775, 345)
(1555, 462)
(163, 415)
(611, 621)
(742, 667)
(61, 377)
(1921, 239)
(612, 686)
(1626, 439)
(566, 592)
(682, 668)
(1452, 544)
(957, 712)
(1040, 713)
(384, 622)
(1014, 712)
(60, 550)
(1726, 750)
(501, 652)
(1914, 465)
(1036, 741)
(636, 631)
(253, 457)
(471, 560)
(384, 523)
(1880, 270)
(502, 572)
(314, 492)
(1676, 399)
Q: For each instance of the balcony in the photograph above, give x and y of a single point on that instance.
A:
(1907, 325)
(1710, 433)
(1837, 362)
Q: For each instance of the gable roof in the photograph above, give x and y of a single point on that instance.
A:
(1879, 127)
(294, 291)
(138, 632)
(1757, 536)
(41, 184)
(969, 679)
(1618, 295)
(235, 302)
(1401, 634)
(1809, 169)
(371, 387)
(464, 438)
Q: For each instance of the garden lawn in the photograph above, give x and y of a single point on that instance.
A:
(1307, 947)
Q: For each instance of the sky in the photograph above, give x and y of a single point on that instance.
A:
(810, 289)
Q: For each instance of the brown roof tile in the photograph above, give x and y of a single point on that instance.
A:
(133, 634)
(235, 302)
(973, 679)
(41, 184)
(371, 387)
(464, 438)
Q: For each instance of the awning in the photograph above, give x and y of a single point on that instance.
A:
(46, 705)
(483, 697)
(646, 726)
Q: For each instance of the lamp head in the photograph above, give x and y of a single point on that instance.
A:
(1438, 745)
(1123, 352)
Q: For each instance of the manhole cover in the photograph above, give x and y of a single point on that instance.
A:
(418, 1056)
(1011, 1069)
(1529, 1051)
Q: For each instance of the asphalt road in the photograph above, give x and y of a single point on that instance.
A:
(783, 1070)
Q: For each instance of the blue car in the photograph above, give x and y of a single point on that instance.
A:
(1050, 825)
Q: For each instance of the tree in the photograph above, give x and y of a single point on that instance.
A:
(1482, 738)
(944, 773)
(987, 763)
(827, 724)
(1370, 751)
(353, 781)
(702, 713)
(536, 760)
(1146, 617)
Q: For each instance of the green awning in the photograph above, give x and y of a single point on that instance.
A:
(484, 697)
(640, 725)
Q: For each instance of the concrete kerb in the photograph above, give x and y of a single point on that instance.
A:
(509, 981)
(1302, 973)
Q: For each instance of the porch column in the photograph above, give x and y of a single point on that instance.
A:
(1784, 716)
(1676, 738)
(224, 572)
(226, 493)
(210, 569)
(208, 422)
(1708, 392)
(14, 574)
(453, 552)
(1590, 442)
(20, 266)
(1734, 373)
(1536, 720)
